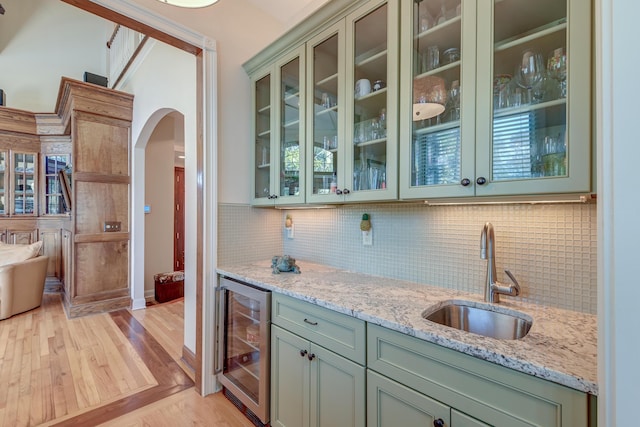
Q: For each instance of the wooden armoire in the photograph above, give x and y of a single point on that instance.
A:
(91, 127)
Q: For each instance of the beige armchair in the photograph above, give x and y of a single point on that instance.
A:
(22, 285)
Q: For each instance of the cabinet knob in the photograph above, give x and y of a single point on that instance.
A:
(311, 356)
(346, 191)
(438, 423)
(465, 182)
(303, 353)
(339, 192)
(481, 180)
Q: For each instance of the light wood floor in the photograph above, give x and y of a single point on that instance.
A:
(117, 369)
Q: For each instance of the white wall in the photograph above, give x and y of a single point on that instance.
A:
(42, 41)
(159, 196)
(236, 43)
(165, 82)
(240, 31)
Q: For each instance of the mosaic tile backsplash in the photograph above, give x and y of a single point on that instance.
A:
(550, 248)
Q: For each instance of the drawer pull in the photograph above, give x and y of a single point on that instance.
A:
(310, 322)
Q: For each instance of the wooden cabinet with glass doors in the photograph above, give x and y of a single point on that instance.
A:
(18, 183)
(352, 98)
(279, 151)
(53, 197)
(3, 182)
(496, 98)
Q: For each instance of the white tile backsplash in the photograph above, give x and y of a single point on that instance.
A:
(550, 248)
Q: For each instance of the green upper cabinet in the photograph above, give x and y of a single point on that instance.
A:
(495, 98)
(278, 131)
(325, 119)
(353, 100)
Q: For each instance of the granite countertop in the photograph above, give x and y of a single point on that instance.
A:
(560, 347)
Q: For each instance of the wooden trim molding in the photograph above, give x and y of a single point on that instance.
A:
(135, 21)
(189, 358)
(20, 121)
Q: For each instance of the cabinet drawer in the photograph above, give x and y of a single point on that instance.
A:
(485, 391)
(337, 332)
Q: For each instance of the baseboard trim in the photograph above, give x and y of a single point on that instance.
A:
(138, 303)
(84, 309)
(189, 358)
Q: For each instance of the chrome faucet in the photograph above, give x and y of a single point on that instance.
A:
(492, 288)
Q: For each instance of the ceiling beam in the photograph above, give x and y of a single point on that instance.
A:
(118, 18)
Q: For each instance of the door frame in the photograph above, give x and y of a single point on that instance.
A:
(131, 15)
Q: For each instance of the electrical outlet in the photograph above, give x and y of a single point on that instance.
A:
(367, 238)
(111, 226)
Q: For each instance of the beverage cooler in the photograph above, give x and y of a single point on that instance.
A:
(242, 363)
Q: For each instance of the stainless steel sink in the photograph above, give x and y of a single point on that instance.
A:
(481, 320)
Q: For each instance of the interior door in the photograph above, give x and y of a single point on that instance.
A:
(178, 220)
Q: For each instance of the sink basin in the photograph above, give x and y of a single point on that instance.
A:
(481, 320)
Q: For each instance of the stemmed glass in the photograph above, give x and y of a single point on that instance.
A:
(557, 69)
(454, 100)
(530, 74)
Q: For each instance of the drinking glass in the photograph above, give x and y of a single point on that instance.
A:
(454, 100)
(557, 69)
(530, 74)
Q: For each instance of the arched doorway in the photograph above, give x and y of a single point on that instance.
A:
(160, 228)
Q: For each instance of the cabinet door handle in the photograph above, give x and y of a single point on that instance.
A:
(310, 322)
(339, 192)
(481, 180)
(303, 353)
(346, 191)
(311, 356)
(438, 423)
(465, 182)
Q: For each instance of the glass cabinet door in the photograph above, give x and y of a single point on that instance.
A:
(325, 123)
(442, 76)
(24, 183)
(53, 198)
(262, 137)
(291, 119)
(538, 91)
(3, 183)
(529, 90)
(371, 143)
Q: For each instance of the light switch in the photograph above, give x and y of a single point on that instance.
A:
(111, 226)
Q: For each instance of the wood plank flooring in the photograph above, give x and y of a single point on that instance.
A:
(107, 369)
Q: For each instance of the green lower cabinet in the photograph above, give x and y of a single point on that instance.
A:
(312, 386)
(390, 404)
(289, 380)
(476, 391)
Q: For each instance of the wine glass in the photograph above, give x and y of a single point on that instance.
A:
(557, 69)
(454, 100)
(530, 74)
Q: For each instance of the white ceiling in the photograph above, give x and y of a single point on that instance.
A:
(289, 12)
